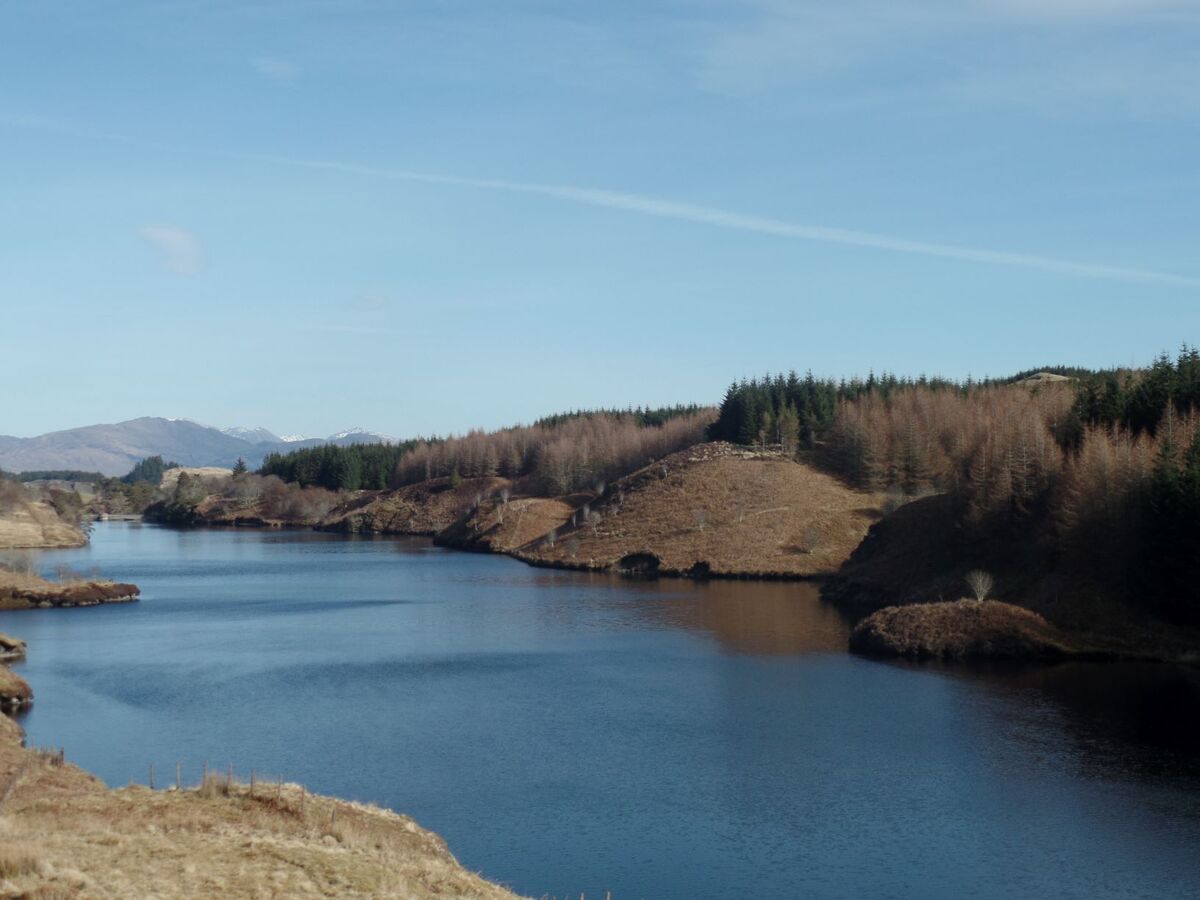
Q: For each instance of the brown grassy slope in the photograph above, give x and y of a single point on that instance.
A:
(170, 478)
(24, 591)
(63, 834)
(425, 508)
(738, 512)
(35, 524)
(919, 554)
(499, 527)
(960, 630)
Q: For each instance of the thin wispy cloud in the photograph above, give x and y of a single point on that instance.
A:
(721, 218)
(181, 250)
(276, 69)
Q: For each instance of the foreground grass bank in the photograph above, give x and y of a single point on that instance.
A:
(64, 834)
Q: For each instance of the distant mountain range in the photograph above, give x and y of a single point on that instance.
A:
(113, 449)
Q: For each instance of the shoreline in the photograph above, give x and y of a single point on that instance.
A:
(1101, 648)
(75, 835)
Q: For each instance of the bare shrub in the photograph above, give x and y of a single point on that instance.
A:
(810, 541)
(583, 452)
(20, 562)
(980, 583)
(594, 520)
(12, 494)
(700, 517)
(66, 575)
(573, 547)
(552, 537)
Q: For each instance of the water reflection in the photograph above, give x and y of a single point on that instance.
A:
(1138, 719)
(757, 618)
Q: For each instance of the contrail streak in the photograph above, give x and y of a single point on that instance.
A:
(669, 209)
(686, 212)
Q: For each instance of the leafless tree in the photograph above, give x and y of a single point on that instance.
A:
(573, 547)
(811, 541)
(505, 493)
(894, 499)
(594, 520)
(701, 518)
(552, 536)
(980, 583)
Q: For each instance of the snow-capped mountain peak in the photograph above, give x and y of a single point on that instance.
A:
(253, 435)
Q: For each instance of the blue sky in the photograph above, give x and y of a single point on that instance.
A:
(422, 217)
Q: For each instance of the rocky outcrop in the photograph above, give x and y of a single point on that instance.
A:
(28, 592)
(965, 629)
(15, 692)
(11, 648)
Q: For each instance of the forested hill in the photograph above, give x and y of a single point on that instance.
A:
(1100, 471)
(557, 455)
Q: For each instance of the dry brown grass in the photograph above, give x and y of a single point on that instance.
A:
(965, 629)
(17, 860)
(425, 508)
(170, 477)
(218, 841)
(33, 523)
(734, 511)
(14, 690)
(500, 527)
(23, 590)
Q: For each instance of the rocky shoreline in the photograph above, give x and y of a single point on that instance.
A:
(15, 693)
(47, 595)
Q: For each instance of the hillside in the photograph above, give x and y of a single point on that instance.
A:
(920, 555)
(425, 508)
(716, 509)
(34, 524)
(114, 449)
(713, 508)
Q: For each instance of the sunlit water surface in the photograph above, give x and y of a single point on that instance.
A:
(570, 733)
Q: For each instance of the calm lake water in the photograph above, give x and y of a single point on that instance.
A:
(571, 733)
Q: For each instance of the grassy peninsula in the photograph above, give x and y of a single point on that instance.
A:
(67, 835)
